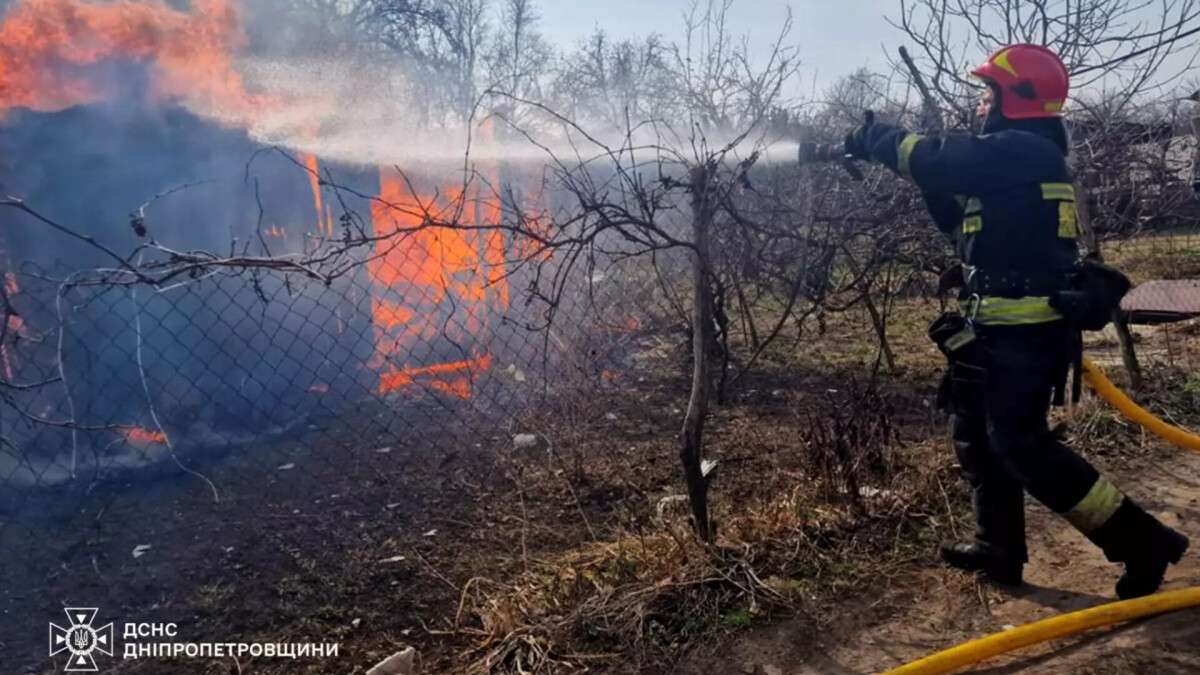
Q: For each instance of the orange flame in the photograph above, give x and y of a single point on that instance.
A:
(451, 378)
(275, 231)
(424, 273)
(143, 436)
(51, 52)
(538, 222)
(324, 216)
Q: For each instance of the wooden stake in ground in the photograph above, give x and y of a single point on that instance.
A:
(691, 451)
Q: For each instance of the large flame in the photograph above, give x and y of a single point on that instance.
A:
(53, 53)
(433, 284)
(433, 287)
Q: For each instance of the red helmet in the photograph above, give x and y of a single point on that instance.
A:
(1030, 79)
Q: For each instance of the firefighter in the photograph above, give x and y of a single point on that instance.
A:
(1007, 199)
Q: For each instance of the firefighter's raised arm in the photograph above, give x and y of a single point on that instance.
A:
(957, 163)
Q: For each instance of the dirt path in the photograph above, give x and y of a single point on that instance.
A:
(938, 608)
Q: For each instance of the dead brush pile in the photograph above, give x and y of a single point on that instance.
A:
(1170, 392)
(637, 599)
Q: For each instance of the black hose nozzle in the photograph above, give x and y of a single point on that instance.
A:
(821, 152)
(810, 153)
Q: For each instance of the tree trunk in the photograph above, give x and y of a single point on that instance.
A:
(691, 451)
(1128, 354)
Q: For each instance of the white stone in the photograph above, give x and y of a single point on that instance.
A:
(524, 441)
(671, 507)
(400, 663)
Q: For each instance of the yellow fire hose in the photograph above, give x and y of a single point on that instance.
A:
(1108, 391)
(1065, 625)
(1048, 629)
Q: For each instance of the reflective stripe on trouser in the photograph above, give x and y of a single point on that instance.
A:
(1096, 507)
(995, 311)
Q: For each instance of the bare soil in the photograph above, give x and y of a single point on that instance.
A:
(932, 608)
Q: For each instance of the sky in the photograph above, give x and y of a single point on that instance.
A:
(835, 37)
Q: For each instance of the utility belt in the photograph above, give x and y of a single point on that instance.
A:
(1014, 285)
(1086, 296)
(964, 343)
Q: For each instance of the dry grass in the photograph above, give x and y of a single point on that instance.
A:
(1157, 256)
(641, 597)
(813, 502)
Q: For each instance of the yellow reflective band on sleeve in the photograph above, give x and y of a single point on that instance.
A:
(1068, 227)
(904, 153)
(1058, 192)
(994, 311)
(972, 224)
(1096, 507)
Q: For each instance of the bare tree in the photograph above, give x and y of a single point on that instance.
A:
(660, 183)
(613, 81)
(1122, 46)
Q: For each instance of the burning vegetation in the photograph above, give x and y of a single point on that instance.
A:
(55, 54)
(428, 282)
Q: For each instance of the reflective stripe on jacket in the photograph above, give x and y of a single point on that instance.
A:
(1006, 198)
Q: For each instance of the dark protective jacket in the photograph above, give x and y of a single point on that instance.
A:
(1007, 200)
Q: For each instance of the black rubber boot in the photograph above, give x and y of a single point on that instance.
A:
(1146, 546)
(1144, 572)
(976, 557)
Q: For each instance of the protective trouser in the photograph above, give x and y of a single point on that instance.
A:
(998, 405)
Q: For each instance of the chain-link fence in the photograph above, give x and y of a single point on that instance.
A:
(141, 415)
